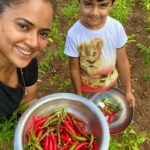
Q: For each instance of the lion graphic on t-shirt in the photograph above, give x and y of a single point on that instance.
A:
(92, 74)
(90, 55)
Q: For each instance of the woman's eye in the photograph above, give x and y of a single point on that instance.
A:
(22, 26)
(44, 35)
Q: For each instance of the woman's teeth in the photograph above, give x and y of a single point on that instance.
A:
(24, 52)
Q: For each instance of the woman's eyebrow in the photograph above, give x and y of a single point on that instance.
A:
(30, 23)
(27, 21)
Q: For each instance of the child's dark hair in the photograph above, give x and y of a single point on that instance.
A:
(101, 0)
(9, 3)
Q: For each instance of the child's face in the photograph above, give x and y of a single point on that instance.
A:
(94, 12)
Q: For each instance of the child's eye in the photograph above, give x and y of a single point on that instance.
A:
(87, 4)
(22, 26)
(103, 5)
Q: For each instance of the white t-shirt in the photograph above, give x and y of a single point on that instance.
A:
(97, 53)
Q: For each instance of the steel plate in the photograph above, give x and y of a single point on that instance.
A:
(124, 117)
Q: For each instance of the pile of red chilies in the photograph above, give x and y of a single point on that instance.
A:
(59, 130)
(109, 112)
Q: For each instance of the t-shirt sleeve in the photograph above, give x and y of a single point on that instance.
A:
(31, 73)
(71, 46)
(121, 39)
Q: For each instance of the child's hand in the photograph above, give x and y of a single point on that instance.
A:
(130, 98)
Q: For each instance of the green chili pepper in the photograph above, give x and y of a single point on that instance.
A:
(49, 122)
(36, 143)
(91, 139)
(78, 138)
(47, 132)
(73, 146)
(58, 132)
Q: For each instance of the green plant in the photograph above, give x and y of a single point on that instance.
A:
(145, 50)
(146, 76)
(131, 38)
(46, 63)
(146, 4)
(7, 129)
(122, 9)
(70, 10)
(128, 140)
(65, 86)
(54, 33)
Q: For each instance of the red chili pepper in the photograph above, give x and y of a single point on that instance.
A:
(64, 138)
(95, 146)
(69, 127)
(78, 119)
(40, 133)
(54, 140)
(65, 147)
(70, 122)
(111, 117)
(50, 142)
(81, 145)
(78, 128)
(46, 143)
(39, 123)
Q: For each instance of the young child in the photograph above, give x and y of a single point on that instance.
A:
(95, 44)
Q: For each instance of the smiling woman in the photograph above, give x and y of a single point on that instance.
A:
(23, 34)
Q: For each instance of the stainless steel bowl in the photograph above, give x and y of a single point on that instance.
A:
(73, 103)
(124, 116)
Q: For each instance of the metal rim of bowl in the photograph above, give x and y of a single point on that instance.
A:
(69, 96)
(127, 122)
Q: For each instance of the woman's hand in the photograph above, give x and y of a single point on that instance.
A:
(130, 98)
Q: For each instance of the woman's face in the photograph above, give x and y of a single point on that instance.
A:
(24, 31)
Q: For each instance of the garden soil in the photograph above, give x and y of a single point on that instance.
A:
(58, 75)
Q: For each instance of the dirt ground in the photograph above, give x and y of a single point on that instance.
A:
(49, 83)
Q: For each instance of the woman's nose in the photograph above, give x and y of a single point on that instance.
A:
(32, 40)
